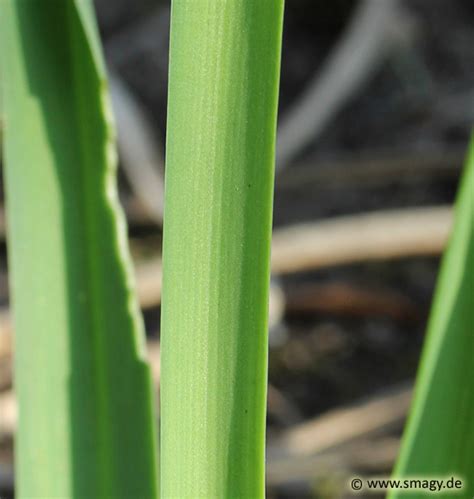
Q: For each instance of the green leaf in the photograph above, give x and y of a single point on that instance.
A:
(223, 92)
(439, 439)
(86, 425)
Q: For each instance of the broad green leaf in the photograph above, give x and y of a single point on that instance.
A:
(86, 426)
(223, 91)
(439, 439)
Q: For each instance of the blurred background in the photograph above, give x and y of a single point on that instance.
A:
(376, 108)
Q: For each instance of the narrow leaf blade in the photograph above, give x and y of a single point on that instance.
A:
(439, 438)
(219, 188)
(86, 426)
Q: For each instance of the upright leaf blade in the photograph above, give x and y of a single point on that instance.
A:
(219, 187)
(439, 439)
(84, 389)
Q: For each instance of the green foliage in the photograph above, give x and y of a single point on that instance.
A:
(84, 389)
(439, 439)
(219, 186)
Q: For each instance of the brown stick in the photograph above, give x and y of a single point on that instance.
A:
(358, 238)
(369, 456)
(343, 425)
(347, 299)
